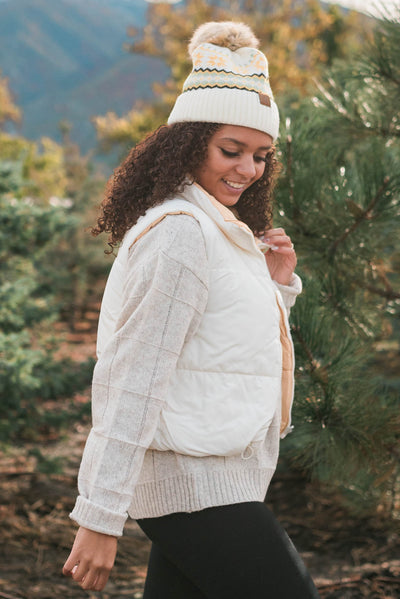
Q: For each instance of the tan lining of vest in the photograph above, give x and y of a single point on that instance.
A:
(287, 370)
(226, 214)
(155, 222)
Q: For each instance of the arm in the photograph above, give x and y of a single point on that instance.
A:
(164, 298)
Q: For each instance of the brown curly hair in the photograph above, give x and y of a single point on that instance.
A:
(159, 166)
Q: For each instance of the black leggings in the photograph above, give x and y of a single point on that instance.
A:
(229, 552)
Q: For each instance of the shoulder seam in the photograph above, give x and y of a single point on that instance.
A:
(158, 220)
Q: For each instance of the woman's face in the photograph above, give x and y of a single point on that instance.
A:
(235, 160)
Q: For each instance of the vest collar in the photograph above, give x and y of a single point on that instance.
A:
(237, 231)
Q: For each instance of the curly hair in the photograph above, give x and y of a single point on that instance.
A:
(162, 165)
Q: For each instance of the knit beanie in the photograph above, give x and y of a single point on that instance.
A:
(229, 82)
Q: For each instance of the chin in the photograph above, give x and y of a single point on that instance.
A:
(228, 201)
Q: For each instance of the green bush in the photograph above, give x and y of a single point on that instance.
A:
(29, 374)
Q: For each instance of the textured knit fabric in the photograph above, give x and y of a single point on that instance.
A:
(229, 82)
(165, 295)
(164, 298)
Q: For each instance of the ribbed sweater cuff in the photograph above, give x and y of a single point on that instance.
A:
(191, 492)
(291, 291)
(97, 518)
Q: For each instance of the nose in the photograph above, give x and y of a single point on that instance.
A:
(246, 166)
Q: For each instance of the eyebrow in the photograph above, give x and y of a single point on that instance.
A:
(241, 143)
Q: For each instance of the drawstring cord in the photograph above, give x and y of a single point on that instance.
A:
(247, 456)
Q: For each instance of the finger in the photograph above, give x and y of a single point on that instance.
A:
(101, 580)
(89, 580)
(69, 565)
(277, 243)
(66, 571)
(273, 232)
(287, 251)
(79, 571)
(278, 238)
(282, 240)
(95, 583)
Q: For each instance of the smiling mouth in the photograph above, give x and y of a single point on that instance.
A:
(234, 185)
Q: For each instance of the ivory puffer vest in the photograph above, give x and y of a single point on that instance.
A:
(236, 371)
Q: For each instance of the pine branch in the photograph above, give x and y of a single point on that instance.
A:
(383, 132)
(377, 71)
(386, 75)
(365, 215)
(318, 373)
(355, 119)
(307, 350)
(388, 294)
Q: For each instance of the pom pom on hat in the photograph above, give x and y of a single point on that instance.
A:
(229, 83)
(226, 34)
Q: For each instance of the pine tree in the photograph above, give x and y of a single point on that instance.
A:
(339, 199)
(38, 268)
(29, 373)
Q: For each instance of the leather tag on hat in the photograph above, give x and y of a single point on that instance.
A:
(265, 100)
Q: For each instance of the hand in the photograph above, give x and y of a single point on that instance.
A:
(281, 257)
(91, 559)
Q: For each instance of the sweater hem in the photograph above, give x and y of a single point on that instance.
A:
(195, 492)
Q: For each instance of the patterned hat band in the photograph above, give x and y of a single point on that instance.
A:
(201, 79)
(229, 87)
(219, 67)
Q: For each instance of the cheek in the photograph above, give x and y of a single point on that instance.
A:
(201, 174)
(217, 163)
(260, 168)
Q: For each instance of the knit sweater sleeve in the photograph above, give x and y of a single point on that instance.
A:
(290, 292)
(163, 301)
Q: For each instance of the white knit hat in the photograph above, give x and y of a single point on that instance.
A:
(229, 82)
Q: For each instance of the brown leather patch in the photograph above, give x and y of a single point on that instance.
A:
(265, 100)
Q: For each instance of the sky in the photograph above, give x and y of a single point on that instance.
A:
(374, 7)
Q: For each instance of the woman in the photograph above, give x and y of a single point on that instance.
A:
(194, 379)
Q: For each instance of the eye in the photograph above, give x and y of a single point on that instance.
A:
(229, 154)
(260, 158)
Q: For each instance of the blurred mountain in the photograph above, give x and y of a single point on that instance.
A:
(65, 61)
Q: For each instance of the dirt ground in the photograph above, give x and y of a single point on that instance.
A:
(348, 558)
